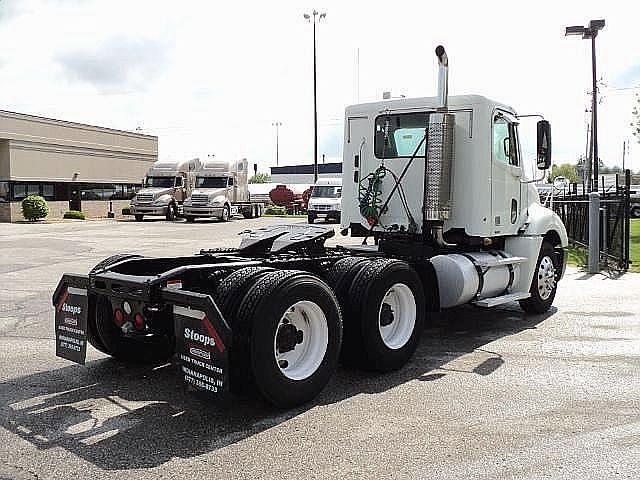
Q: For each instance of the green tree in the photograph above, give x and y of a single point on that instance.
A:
(34, 207)
(260, 178)
(566, 170)
(635, 124)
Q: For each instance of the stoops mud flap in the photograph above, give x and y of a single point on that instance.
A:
(71, 303)
(203, 339)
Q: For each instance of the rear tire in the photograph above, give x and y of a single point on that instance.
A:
(288, 333)
(139, 218)
(635, 212)
(190, 219)
(545, 281)
(386, 307)
(248, 212)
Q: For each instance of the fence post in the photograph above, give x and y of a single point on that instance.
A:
(594, 232)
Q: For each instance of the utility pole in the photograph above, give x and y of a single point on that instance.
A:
(277, 125)
(316, 19)
(590, 32)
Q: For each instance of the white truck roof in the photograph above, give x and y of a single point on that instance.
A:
(169, 168)
(218, 168)
(330, 182)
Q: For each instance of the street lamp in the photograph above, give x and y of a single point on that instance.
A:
(277, 125)
(316, 19)
(591, 32)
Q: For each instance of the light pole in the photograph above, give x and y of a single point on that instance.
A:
(316, 19)
(591, 32)
(277, 125)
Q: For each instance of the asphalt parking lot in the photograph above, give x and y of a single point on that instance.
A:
(490, 394)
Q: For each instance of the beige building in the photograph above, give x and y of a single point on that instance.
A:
(72, 165)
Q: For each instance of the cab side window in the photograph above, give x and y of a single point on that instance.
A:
(505, 141)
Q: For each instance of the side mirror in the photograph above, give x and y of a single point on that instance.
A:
(544, 145)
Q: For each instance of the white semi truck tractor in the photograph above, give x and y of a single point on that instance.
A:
(436, 188)
(165, 187)
(221, 191)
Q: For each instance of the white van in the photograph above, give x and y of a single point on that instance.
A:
(325, 200)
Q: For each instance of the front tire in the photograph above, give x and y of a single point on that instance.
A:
(311, 218)
(139, 218)
(545, 282)
(171, 213)
(288, 331)
(226, 214)
(190, 218)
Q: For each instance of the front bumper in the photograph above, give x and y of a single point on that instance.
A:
(205, 211)
(194, 315)
(148, 210)
(324, 213)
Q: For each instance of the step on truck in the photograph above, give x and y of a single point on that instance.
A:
(164, 188)
(435, 190)
(221, 191)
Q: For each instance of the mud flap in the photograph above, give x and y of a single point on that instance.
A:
(71, 304)
(203, 339)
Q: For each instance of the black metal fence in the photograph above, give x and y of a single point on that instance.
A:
(572, 205)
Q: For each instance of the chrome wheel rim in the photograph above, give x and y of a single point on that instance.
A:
(301, 340)
(546, 278)
(397, 316)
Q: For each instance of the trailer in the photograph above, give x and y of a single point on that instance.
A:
(435, 189)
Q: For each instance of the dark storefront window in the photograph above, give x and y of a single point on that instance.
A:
(4, 192)
(17, 191)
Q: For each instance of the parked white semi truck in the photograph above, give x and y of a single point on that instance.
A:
(165, 187)
(221, 191)
(438, 183)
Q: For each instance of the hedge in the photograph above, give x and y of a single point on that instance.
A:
(34, 207)
(73, 214)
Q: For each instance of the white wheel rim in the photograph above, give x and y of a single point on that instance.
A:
(397, 316)
(301, 358)
(546, 278)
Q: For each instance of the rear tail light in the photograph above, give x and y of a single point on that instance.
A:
(118, 317)
(138, 321)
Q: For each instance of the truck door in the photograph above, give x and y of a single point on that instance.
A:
(506, 172)
(358, 146)
(179, 188)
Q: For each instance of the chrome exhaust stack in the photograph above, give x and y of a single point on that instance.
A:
(443, 77)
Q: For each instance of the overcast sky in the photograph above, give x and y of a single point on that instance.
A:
(211, 77)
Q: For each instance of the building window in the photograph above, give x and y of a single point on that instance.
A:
(19, 191)
(33, 189)
(4, 192)
(47, 191)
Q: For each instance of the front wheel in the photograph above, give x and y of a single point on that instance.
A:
(311, 218)
(171, 213)
(545, 282)
(226, 214)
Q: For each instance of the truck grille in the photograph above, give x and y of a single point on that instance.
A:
(322, 208)
(145, 197)
(199, 199)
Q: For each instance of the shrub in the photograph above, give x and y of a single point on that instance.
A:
(34, 207)
(74, 214)
(275, 210)
(126, 210)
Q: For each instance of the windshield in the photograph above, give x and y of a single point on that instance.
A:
(162, 182)
(211, 182)
(325, 191)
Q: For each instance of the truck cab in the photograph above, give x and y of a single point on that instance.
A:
(164, 188)
(325, 200)
(221, 191)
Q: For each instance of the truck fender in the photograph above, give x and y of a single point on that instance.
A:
(544, 222)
